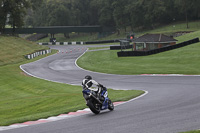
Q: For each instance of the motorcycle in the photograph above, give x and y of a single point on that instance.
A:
(97, 103)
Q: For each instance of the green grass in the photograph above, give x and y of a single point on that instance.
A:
(192, 132)
(13, 49)
(184, 60)
(176, 27)
(24, 98)
(96, 48)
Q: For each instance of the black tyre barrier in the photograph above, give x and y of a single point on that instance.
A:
(115, 47)
(155, 51)
(119, 47)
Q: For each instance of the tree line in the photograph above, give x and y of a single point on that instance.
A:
(12, 13)
(108, 13)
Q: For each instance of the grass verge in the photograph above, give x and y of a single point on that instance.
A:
(197, 131)
(184, 60)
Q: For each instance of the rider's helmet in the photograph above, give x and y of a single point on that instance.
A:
(88, 77)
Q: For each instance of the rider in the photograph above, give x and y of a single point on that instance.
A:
(89, 83)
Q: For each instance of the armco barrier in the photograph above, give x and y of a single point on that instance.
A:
(155, 51)
(38, 53)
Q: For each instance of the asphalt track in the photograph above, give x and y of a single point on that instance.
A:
(171, 106)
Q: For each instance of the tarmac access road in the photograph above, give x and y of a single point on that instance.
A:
(172, 104)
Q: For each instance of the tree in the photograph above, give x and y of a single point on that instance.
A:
(95, 6)
(84, 11)
(196, 8)
(51, 13)
(3, 15)
(106, 13)
(185, 6)
(155, 9)
(35, 3)
(171, 13)
(58, 14)
(13, 12)
(111, 13)
(137, 12)
(120, 14)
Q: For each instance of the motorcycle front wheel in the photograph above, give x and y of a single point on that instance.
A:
(94, 107)
(110, 105)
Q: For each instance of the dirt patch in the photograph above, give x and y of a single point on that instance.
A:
(23, 73)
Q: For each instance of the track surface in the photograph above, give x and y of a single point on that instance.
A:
(172, 104)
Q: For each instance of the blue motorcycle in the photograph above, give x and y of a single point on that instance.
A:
(97, 103)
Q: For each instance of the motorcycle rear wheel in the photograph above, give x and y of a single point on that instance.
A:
(93, 106)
